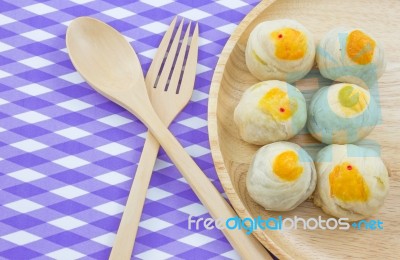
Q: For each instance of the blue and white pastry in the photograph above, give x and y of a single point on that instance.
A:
(351, 56)
(342, 113)
(353, 181)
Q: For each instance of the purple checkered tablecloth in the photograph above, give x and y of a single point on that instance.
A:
(68, 155)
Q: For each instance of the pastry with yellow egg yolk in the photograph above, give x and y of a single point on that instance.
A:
(280, 49)
(270, 111)
(342, 113)
(351, 56)
(353, 181)
(281, 176)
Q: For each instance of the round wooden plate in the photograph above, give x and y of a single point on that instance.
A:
(233, 156)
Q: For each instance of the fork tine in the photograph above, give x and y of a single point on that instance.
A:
(162, 81)
(155, 66)
(189, 72)
(177, 70)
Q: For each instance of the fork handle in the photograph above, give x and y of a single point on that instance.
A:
(246, 245)
(125, 239)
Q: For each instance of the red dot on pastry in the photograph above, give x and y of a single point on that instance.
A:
(282, 109)
(280, 35)
(349, 168)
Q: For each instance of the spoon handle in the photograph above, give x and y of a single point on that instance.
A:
(246, 245)
(125, 239)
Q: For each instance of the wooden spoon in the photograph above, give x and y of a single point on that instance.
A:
(109, 64)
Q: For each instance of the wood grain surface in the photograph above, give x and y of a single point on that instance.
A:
(232, 156)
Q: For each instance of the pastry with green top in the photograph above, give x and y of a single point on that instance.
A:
(342, 113)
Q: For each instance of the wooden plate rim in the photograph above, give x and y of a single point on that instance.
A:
(221, 170)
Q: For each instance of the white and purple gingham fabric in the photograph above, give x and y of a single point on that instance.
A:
(68, 155)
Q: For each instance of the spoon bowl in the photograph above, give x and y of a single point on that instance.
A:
(107, 62)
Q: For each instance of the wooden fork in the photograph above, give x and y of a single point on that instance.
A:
(168, 99)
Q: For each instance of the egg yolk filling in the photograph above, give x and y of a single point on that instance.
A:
(290, 44)
(347, 184)
(360, 47)
(352, 100)
(286, 166)
(277, 103)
